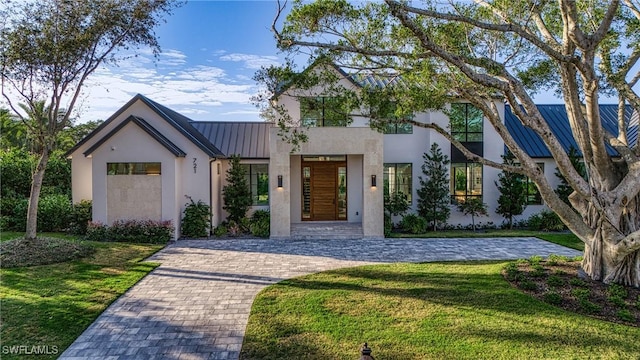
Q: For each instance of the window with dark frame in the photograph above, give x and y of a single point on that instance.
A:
(533, 194)
(466, 181)
(322, 111)
(466, 122)
(134, 168)
(398, 177)
(258, 180)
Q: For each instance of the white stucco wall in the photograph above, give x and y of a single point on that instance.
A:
(132, 144)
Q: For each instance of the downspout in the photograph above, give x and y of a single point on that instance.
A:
(211, 161)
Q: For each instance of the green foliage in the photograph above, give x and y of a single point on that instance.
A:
(236, 193)
(54, 213)
(625, 315)
(513, 194)
(546, 221)
(563, 190)
(220, 230)
(474, 207)
(395, 204)
(577, 282)
(260, 223)
(552, 298)
(433, 194)
(388, 224)
(512, 272)
(555, 281)
(196, 221)
(136, 231)
(81, 215)
(413, 224)
(527, 285)
(617, 294)
(555, 259)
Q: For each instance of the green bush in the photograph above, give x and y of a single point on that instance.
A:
(546, 221)
(14, 214)
(80, 217)
(388, 224)
(136, 231)
(553, 298)
(220, 230)
(260, 224)
(625, 315)
(555, 281)
(577, 282)
(196, 221)
(54, 213)
(527, 285)
(413, 224)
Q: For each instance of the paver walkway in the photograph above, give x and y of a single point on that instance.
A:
(197, 303)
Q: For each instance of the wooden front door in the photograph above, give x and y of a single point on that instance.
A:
(324, 191)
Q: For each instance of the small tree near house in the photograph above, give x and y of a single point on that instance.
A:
(474, 207)
(236, 194)
(433, 195)
(513, 195)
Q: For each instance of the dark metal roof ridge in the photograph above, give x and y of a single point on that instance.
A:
(155, 134)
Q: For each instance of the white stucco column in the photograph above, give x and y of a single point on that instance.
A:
(279, 197)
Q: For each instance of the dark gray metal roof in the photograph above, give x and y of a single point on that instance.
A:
(556, 117)
(250, 140)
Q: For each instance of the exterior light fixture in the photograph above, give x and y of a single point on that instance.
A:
(373, 181)
(279, 181)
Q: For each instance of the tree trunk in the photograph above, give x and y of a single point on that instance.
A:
(600, 262)
(34, 196)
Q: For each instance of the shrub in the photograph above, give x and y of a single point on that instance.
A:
(54, 213)
(546, 221)
(512, 272)
(555, 281)
(220, 230)
(138, 231)
(196, 221)
(581, 294)
(260, 224)
(80, 217)
(554, 259)
(616, 295)
(625, 315)
(413, 224)
(527, 285)
(14, 213)
(589, 307)
(553, 298)
(236, 193)
(577, 282)
(388, 224)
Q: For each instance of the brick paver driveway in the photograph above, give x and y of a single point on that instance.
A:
(196, 304)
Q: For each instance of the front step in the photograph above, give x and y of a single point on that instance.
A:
(326, 230)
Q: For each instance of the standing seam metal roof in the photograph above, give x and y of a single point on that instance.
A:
(556, 117)
(250, 140)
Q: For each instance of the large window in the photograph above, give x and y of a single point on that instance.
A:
(135, 168)
(322, 111)
(258, 180)
(398, 178)
(398, 128)
(466, 181)
(466, 122)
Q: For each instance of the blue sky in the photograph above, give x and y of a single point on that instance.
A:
(210, 52)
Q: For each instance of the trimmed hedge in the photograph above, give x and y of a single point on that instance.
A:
(137, 231)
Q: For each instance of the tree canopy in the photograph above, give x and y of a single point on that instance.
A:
(488, 52)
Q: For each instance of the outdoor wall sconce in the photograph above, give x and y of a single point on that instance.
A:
(279, 181)
(373, 181)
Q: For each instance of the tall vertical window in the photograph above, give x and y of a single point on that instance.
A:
(398, 178)
(466, 181)
(533, 195)
(323, 111)
(466, 122)
(258, 180)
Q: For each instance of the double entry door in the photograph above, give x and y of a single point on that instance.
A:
(324, 190)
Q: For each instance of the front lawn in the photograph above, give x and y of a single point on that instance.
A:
(51, 305)
(423, 311)
(562, 238)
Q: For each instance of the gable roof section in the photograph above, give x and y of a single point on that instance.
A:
(180, 122)
(250, 140)
(155, 134)
(556, 117)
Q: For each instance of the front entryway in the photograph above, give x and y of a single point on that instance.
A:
(324, 188)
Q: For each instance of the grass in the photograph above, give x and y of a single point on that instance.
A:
(423, 311)
(565, 239)
(50, 305)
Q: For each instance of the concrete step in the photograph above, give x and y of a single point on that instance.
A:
(326, 230)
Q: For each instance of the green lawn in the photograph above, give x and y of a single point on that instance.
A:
(51, 305)
(423, 311)
(565, 238)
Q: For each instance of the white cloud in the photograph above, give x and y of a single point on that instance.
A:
(254, 62)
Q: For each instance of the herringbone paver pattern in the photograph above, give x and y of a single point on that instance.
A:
(196, 304)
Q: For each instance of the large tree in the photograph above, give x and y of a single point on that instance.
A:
(49, 48)
(484, 51)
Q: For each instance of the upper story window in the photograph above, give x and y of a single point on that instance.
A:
(400, 128)
(466, 122)
(322, 111)
(135, 168)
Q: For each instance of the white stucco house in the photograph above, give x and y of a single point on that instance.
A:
(145, 160)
